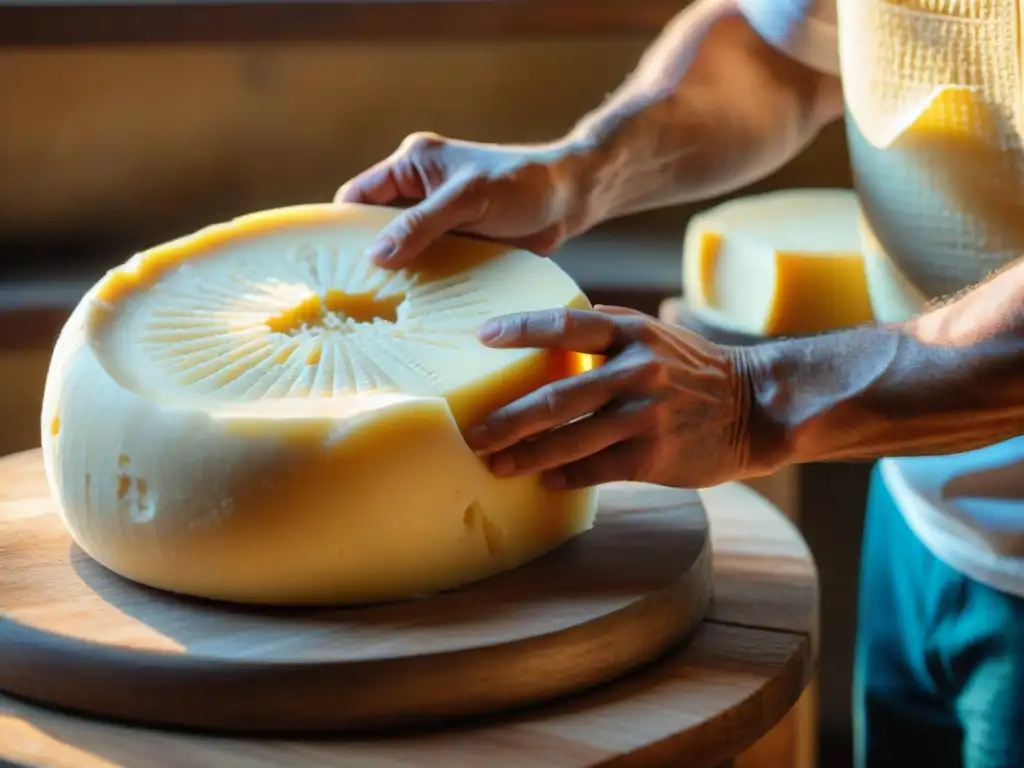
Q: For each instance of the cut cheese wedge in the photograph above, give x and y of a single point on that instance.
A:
(780, 263)
(255, 413)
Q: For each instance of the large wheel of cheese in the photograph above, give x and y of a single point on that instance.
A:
(255, 413)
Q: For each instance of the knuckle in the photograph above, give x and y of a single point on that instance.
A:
(511, 428)
(553, 401)
(474, 183)
(627, 320)
(537, 169)
(576, 447)
(500, 425)
(536, 454)
(422, 142)
(402, 227)
(650, 370)
(646, 369)
(475, 194)
(636, 465)
(560, 320)
(635, 327)
(522, 325)
(558, 232)
(643, 329)
(651, 417)
(524, 456)
(532, 175)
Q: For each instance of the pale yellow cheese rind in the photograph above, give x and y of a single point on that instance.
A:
(780, 263)
(256, 414)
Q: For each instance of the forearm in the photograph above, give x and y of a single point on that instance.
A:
(949, 381)
(710, 107)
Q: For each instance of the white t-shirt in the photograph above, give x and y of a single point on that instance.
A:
(803, 29)
(968, 509)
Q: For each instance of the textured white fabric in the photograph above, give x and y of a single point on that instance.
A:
(933, 96)
(933, 103)
(968, 509)
(932, 91)
(803, 29)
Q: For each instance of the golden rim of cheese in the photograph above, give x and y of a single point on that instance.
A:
(256, 412)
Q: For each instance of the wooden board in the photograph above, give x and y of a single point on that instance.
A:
(616, 597)
(704, 703)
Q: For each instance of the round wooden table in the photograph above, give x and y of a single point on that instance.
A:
(702, 705)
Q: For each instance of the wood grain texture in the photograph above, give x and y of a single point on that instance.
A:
(700, 706)
(121, 147)
(615, 597)
(794, 741)
(205, 21)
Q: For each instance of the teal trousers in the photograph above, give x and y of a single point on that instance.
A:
(939, 669)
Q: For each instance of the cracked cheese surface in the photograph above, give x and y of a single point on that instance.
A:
(255, 413)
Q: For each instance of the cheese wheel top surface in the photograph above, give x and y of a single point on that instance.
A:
(812, 221)
(283, 306)
(257, 413)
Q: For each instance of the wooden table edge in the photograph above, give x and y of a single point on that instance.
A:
(709, 742)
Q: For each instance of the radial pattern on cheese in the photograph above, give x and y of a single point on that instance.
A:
(256, 413)
(779, 263)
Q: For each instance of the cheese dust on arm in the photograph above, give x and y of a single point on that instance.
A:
(948, 381)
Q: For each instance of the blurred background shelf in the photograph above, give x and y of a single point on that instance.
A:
(61, 22)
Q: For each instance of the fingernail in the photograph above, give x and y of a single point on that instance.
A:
(476, 437)
(489, 331)
(502, 464)
(554, 480)
(381, 251)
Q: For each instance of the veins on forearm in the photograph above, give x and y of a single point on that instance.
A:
(949, 381)
(710, 108)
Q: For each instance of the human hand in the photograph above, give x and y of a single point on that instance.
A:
(527, 197)
(666, 407)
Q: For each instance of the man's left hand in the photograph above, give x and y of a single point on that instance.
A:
(666, 407)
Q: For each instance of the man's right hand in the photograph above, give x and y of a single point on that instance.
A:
(528, 197)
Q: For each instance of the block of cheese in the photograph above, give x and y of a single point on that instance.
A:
(255, 413)
(779, 263)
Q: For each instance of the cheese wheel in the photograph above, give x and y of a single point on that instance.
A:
(256, 413)
(781, 263)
